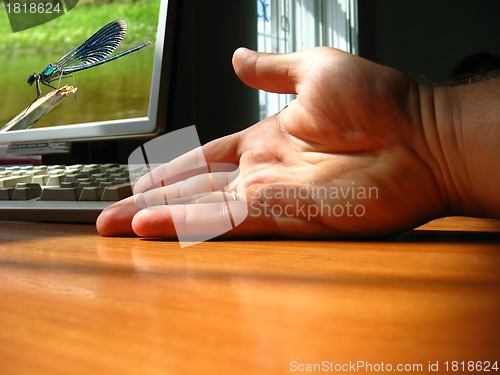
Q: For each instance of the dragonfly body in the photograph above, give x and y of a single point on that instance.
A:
(95, 51)
(51, 72)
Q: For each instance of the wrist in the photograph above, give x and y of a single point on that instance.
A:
(461, 126)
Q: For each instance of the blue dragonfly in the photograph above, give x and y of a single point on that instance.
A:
(95, 51)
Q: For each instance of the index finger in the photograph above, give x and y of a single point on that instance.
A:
(200, 160)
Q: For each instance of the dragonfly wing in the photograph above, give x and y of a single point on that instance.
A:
(96, 48)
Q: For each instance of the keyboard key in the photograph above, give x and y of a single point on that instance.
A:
(70, 177)
(40, 179)
(12, 181)
(105, 167)
(55, 172)
(95, 176)
(55, 179)
(76, 167)
(103, 184)
(91, 166)
(6, 194)
(59, 194)
(35, 172)
(114, 170)
(84, 184)
(67, 184)
(117, 192)
(53, 167)
(114, 176)
(91, 170)
(91, 193)
(25, 192)
(121, 180)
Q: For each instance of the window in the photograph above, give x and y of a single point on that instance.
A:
(293, 25)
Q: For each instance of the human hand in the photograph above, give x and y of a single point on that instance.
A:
(347, 158)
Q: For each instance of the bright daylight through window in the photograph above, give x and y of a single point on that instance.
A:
(293, 25)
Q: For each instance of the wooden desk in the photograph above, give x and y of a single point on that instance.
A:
(72, 302)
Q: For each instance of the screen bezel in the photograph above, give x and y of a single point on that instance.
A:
(134, 128)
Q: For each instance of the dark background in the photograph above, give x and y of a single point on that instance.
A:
(427, 38)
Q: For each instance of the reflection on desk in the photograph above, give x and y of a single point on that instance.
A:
(72, 302)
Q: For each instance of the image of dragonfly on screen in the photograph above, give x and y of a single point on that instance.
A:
(95, 51)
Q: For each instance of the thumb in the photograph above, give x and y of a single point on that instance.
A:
(271, 72)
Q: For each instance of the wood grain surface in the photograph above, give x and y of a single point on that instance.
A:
(72, 302)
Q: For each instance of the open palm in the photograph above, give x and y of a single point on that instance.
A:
(346, 158)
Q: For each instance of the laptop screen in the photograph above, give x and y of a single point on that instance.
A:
(115, 97)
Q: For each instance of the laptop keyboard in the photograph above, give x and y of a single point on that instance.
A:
(76, 193)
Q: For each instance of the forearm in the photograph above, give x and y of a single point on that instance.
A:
(465, 143)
